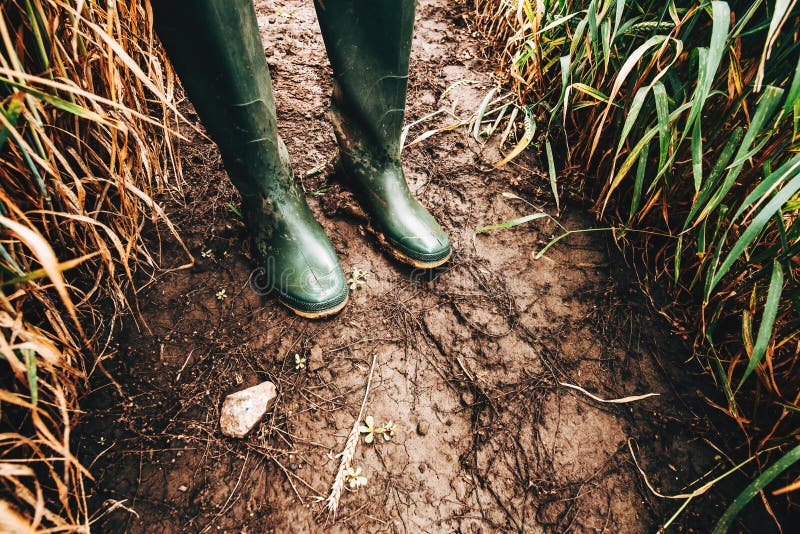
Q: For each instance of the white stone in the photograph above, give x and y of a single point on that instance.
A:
(241, 411)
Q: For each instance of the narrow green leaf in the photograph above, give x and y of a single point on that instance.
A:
(476, 130)
(511, 223)
(710, 59)
(664, 128)
(764, 111)
(55, 101)
(630, 117)
(756, 225)
(677, 260)
(235, 210)
(734, 142)
(637, 185)
(551, 166)
(726, 521)
(12, 116)
(779, 15)
(767, 321)
(697, 156)
(794, 91)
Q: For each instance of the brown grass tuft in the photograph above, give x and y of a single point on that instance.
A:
(84, 147)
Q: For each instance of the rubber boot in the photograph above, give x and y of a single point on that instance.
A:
(368, 44)
(215, 48)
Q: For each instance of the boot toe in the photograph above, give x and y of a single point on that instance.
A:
(428, 248)
(411, 231)
(316, 293)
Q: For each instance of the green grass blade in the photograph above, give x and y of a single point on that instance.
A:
(11, 114)
(779, 16)
(639, 183)
(757, 224)
(476, 130)
(664, 128)
(511, 223)
(709, 61)
(630, 117)
(697, 156)
(794, 91)
(56, 102)
(726, 521)
(733, 143)
(766, 106)
(767, 321)
(551, 167)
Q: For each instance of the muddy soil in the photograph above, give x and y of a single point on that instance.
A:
(470, 360)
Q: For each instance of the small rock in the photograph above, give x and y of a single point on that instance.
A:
(423, 427)
(427, 98)
(182, 488)
(315, 361)
(241, 411)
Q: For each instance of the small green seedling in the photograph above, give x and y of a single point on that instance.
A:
(354, 479)
(357, 279)
(387, 430)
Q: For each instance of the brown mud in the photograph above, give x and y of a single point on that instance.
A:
(470, 359)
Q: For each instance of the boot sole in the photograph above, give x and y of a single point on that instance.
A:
(406, 259)
(318, 314)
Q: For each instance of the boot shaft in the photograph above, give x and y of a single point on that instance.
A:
(368, 44)
(216, 49)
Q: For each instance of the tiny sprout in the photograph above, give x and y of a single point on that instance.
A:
(389, 430)
(354, 479)
(299, 362)
(357, 279)
(369, 429)
(221, 295)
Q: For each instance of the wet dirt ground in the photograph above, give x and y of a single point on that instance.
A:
(470, 360)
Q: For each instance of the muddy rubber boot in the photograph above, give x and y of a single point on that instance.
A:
(368, 44)
(215, 47)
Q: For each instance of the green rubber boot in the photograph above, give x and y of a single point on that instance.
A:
(368, 44)
(215, 47)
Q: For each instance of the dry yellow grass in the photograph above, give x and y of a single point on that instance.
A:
(84, 147)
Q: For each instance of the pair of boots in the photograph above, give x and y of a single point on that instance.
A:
(216, 49)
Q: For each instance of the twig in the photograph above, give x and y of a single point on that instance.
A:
(332, 502)
(623, 400)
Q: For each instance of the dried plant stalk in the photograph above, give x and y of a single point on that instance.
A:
(346, 456)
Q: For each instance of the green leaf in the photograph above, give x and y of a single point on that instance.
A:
(764, 111)
(511, 223)
(757, 224)
(641, 167)
(235, 210)
(767, 321)
(779, 15)
(794, 91)
(710, 59)
(753, 489)
(56, 102)
(724, 158)
(697, 156)
(664, 128)
(551, 166)
(476, 130)
(11, 114)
